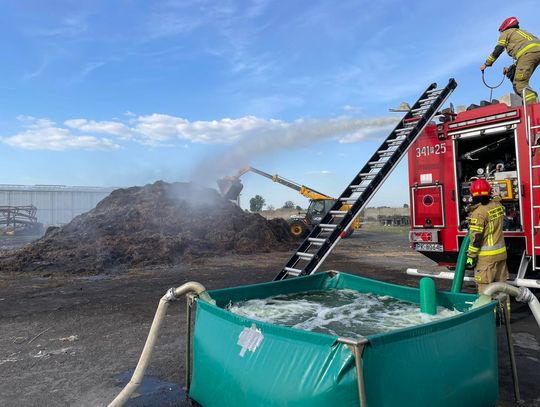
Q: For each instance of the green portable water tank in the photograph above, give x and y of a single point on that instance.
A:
(239, 362)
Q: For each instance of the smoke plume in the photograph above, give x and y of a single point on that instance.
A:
(281, 136)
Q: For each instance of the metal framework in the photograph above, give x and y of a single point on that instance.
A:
(18, 217)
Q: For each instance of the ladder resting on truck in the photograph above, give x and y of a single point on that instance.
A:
(333, 227)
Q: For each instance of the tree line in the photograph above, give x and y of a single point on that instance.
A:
(257, 203)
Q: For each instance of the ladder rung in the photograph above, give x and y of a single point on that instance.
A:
(348, 199)
(339, 213)
(386, 151)
(434, 91)
(382, 163)
(535, 146)
(398, 138)
(428, 99)
(368, 175)
(292, 271)
(410, 120)
(536, 227)
(535, 166)
(536, 206)
(536, 186)
(419, 109)
(316, 240)
(304, 255)
(327, 226)
(403, 130)
(537, 247)
(535, 127)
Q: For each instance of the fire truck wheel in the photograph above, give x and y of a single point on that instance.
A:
(298, 229)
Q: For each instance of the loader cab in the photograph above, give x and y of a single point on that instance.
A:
(317, 209)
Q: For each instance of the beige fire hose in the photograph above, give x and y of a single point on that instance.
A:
(171, 295)
(522, 294)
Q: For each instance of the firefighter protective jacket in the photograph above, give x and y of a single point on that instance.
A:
(486, 232)
(516, 42)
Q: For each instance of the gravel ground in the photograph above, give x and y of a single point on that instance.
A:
(70, 340)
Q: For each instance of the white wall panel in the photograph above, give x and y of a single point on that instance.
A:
(56, 205)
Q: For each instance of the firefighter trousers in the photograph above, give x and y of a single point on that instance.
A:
(525, 67)
(489, 272)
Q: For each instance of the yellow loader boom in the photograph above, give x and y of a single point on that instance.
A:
(230, 188)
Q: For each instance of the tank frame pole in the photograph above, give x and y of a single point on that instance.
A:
(504, 309)
(190, 300)
(357, 347)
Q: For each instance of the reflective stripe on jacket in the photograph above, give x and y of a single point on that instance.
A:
(486, 232)
(516, 42)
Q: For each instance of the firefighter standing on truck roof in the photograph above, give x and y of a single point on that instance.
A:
(487, 250)
(524, 48)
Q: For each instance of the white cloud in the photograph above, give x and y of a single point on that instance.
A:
(247, 136)
(43, 134)
(114, 128)
(158, 128)
(68, 27)
(169, 24)
(321, 172)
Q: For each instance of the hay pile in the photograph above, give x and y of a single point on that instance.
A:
(155, 225)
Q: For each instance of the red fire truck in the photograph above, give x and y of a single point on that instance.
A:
(496, 141)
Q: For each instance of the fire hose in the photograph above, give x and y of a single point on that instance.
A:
(171, 295)
(521, 294)
(491, 87)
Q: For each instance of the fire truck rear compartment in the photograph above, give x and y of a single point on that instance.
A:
(492, 157)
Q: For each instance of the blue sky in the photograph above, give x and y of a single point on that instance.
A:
(122, 93)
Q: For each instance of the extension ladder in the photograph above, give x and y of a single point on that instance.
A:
(333, 227)
(534, 193)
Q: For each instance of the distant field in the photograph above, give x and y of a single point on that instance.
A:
(377, 227)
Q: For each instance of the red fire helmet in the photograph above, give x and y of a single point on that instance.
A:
(480, 187)
(509, 22)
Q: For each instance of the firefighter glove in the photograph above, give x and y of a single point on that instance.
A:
(471, 262)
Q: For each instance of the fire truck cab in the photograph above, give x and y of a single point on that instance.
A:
(498, 142)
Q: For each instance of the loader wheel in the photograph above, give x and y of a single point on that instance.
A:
(298, 229)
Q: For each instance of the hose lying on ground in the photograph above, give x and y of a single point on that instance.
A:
(171, 295)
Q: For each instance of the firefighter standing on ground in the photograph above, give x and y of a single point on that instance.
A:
(524, 48)
(487, 250)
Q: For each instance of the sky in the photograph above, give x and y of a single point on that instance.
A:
(128, 92)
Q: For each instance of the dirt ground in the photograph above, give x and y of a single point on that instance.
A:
(69, 340)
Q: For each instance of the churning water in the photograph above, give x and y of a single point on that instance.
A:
(345, 313)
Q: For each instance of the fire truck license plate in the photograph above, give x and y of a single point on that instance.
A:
(428, 247)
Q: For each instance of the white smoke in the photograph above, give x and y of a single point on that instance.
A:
(286, 136)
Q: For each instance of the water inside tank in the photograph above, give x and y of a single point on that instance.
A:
(346, 313)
